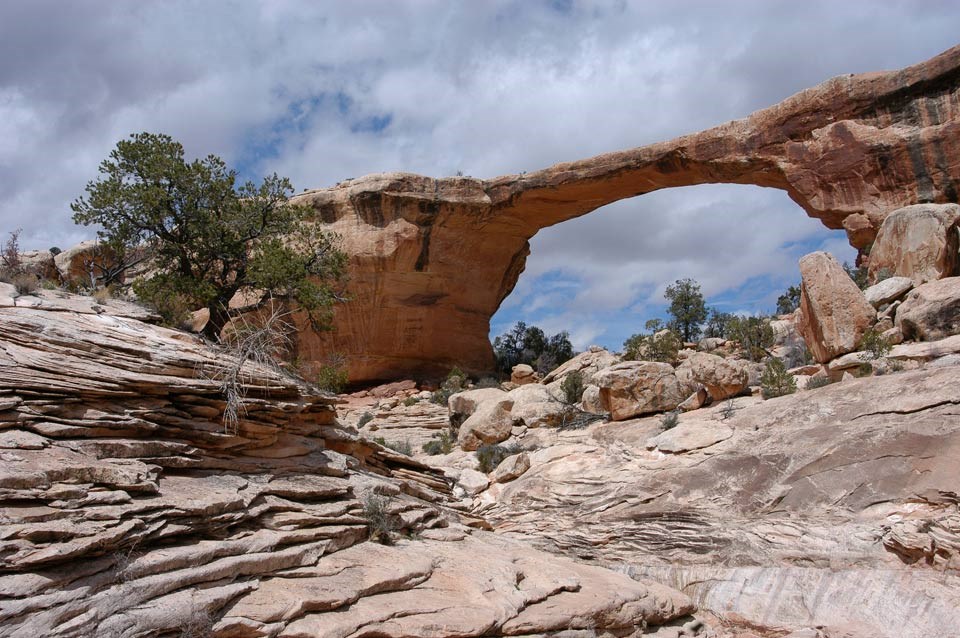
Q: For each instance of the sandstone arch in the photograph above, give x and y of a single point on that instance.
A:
(432, 259)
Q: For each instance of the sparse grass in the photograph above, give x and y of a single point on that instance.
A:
(818, 382)
(199, 625)
(365, 418)
(380, 525)
(102, 295)
(401, 447)
(728, 410)
(25, 283)
(490, 456)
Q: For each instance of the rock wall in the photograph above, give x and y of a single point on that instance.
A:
(432, 259)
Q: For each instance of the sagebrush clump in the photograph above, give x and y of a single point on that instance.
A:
(490, 456)
(775, 380)
(572, 387)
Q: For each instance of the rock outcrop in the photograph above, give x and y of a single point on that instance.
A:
(834, 314)
(128, 508)
(931, 311)
(921, 242)
(431, 259)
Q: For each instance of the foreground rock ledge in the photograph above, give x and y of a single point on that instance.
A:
(127, 510)
(432, 259)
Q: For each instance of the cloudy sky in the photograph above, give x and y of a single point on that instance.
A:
(322, 91)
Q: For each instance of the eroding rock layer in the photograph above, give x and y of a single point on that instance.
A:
(432, 259)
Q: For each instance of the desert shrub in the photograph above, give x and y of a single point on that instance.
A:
(379, 522)
(818, 382)
(865, 369)
(442, 443)
(332, 376)
(572, 387)
(662, 346)
(755, 335)
(409, 401)
(487, 382)
(670, 419)
(455, 382)
(199, 625)
(883, 274)
(490, 456)
(401, 447)
(102, 294)
(25, 283)
(895, 365)
(577, 419)
(875, 344)
(728, 410)
(365, 418)
(10, 264)
(775, 381)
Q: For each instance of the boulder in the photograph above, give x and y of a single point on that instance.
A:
(590, 401)
(472, 481)
(511, 468)
(633, 388)
(490, 423)
(463, 404)
(888, 290)
(722, 378)
(709, 344)
(84, 261)
(931, 311)
(834, 314)
(522, 374)
(691, 435)
(588, 363)
(536, 406)
(920, 242)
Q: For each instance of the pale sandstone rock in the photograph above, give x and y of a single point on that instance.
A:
(463, 404)
(833, 312)
(590, 401)
(473, 482)
(587, 363)
(931, 311)
(920, 242)
(522, 374)
(695, 401)
(925, 351)
(511, 468)
(632, 388)
(709, 344)
(491, 422)
(690, 435)
(536, 407)
(722, 378)
(894, 335)
(888, 290)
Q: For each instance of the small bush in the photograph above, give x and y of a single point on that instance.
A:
(365, 418)
(455, 382)
(895, 365)
(775, 380)
(10, 264)
(441, 444)
(332, 376)
(401, 447)
(379, 523)
(818, 382)
(755, 335)
(670, 419)
(728, 410)
(25, 284)
(572, 387)
(490, 456)
(102, 295)
(409, 401)
(662, 346)
(488, 382)
(875, 344)
(865, 369)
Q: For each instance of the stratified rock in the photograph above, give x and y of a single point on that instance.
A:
(536, 407)
(640, 387)
(432, 259)
(722, 378)
(931, 311)
(490, 423)
(834, 314)
(472, 481)
(522, 374)
(921, 242)
(511, 468)
(888, 290)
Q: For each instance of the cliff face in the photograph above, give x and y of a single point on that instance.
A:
(432, 259)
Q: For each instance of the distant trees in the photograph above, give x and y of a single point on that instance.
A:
(530, 345)
(207, 237)
(788, 301)
(687, 307)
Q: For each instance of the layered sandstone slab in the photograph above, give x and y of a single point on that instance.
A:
(432, 259)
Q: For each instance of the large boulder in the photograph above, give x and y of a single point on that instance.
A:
(511, 468)
(537, 407)
(834, 314)
(82, 263)
(920, 242)
(522, 374)
(722, 378)
(462, 404)
(587, 363)
(931, 311)
(490, 423)
(633, 388)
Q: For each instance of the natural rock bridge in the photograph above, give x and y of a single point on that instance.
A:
(432, 259)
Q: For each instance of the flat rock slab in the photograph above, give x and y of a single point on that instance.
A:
(692, 435)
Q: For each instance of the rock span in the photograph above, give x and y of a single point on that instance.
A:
(432, 259)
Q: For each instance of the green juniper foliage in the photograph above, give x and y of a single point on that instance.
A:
(207, 237)
(687, 307)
